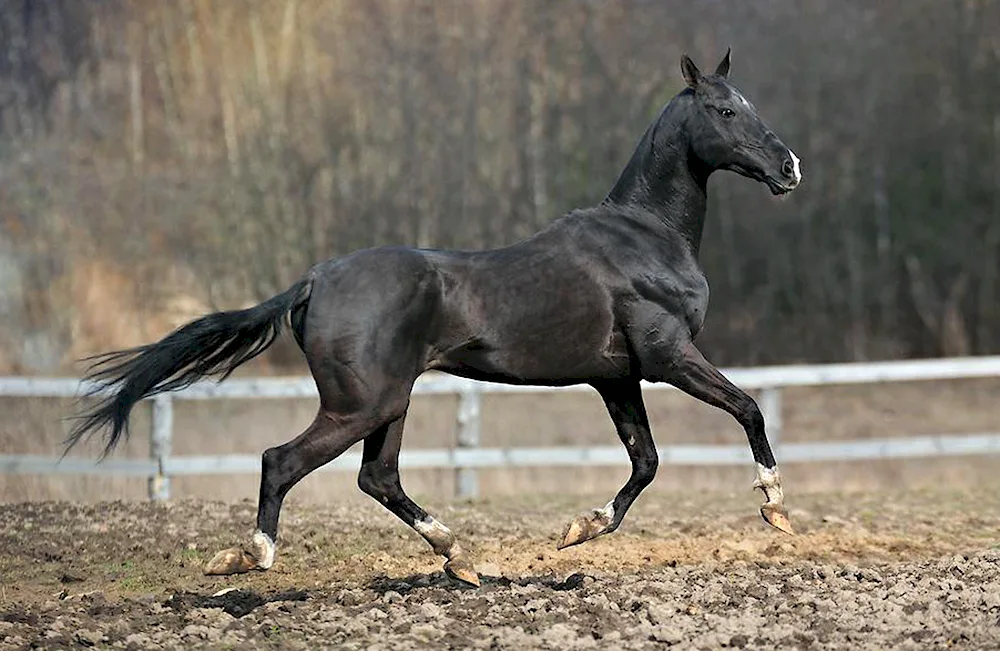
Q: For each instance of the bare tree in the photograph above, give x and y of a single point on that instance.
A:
(214, 151)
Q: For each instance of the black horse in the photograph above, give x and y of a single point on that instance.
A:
(605, 296)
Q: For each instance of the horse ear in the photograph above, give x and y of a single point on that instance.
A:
(723, 69)
(691, 73)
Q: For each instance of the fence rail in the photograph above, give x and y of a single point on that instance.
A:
(466, 457)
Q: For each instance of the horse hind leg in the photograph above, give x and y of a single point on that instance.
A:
(282, 467)
(379, 478)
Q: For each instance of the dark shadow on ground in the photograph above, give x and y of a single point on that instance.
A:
(235, 602)
(404, 585)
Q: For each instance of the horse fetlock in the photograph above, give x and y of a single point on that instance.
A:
(263, 550)
(773, 510)
(442, 540)
(769, 482)
(440, 537)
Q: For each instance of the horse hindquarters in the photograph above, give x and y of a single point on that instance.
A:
(363, 335)
(367, 329)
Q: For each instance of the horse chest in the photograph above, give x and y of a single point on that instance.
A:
(695, 304)
(679, 297)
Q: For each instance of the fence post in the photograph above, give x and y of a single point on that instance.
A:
(770, 408)
(159, 446)
(466, 479)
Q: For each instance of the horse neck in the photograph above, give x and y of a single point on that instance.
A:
(663, 178)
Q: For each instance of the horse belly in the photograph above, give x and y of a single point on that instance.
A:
(545, 347)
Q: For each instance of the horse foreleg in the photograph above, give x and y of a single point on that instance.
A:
(628, 413)
(282, 467)
(379, 478)
(697, 377)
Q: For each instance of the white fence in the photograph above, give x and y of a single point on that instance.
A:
(466, 456)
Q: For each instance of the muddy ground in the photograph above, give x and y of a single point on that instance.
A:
(875, 571)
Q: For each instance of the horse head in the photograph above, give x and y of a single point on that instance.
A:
(726, 132)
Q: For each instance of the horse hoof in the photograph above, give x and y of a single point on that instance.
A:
(777, 518)
(231, 561)
(463, 571)
(583, 528)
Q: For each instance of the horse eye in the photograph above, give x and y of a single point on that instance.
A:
(727, 112)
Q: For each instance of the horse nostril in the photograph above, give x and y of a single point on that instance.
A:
(788, 167)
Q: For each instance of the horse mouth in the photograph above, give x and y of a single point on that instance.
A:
(777, 187)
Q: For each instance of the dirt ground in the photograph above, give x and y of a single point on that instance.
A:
(916, 570)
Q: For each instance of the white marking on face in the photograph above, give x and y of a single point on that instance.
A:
(264, 547)
(796, 172)
(743, 100)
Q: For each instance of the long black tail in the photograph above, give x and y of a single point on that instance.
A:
(212, 345)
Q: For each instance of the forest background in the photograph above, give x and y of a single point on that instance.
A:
(161, 159)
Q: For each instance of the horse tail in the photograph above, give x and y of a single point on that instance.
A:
(214, 345)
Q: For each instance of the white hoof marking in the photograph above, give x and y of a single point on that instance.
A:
(608, 511)
(264, 547)
(769, 480)
(431, 528)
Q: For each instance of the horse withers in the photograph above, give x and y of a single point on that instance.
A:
(606, 296)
